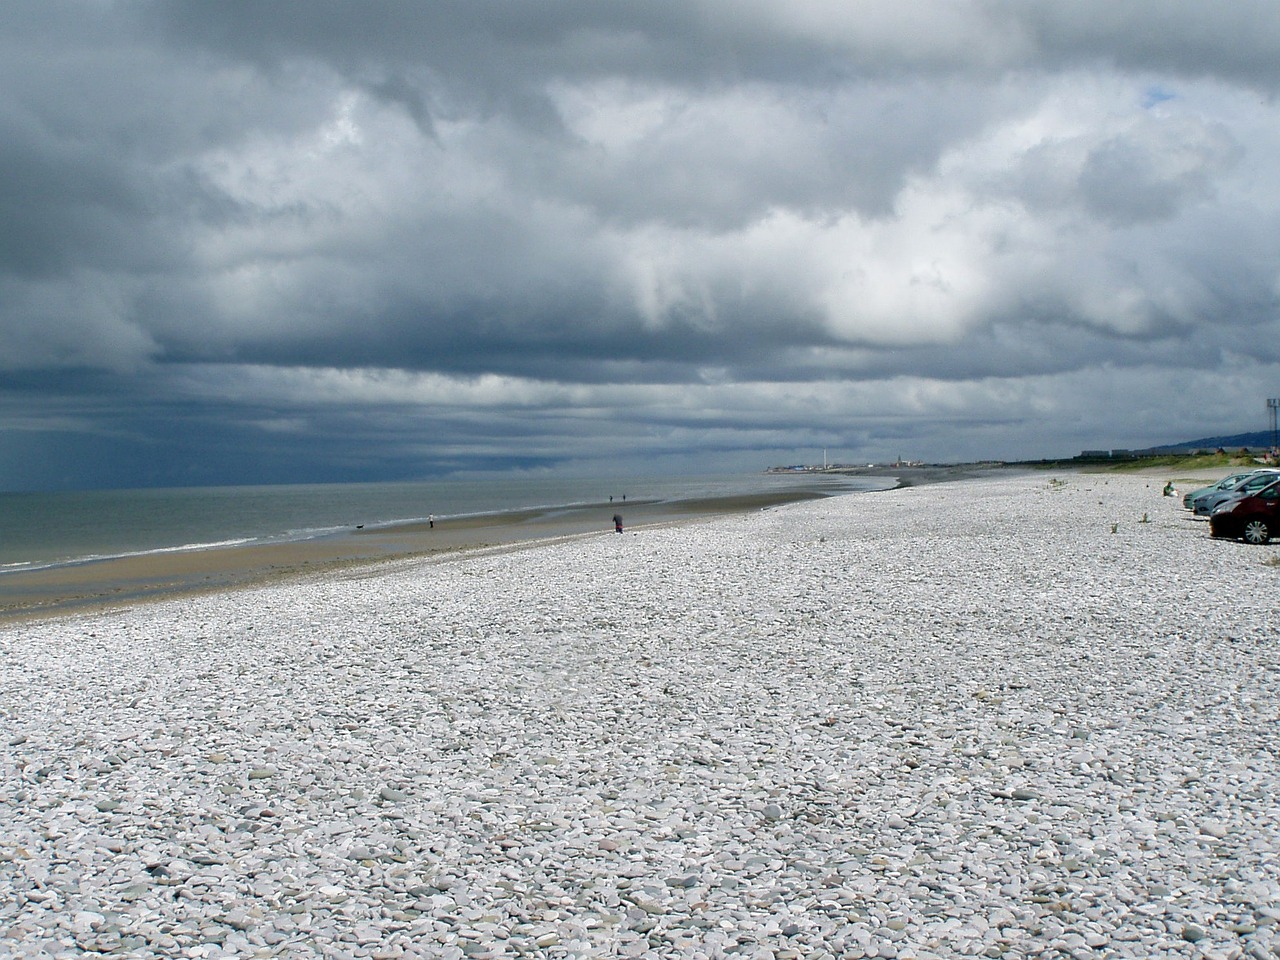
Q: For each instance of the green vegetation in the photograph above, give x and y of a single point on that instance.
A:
(1174, 461)
(1201, 462)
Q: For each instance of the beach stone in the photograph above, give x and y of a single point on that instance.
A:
(726, 741)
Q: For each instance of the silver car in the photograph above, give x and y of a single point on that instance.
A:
(1205, 503)
(1226, 483)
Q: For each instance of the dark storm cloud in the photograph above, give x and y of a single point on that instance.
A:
(396, 238)
(1183, 38)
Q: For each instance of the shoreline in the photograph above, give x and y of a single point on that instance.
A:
(113, 582)
(116, 582)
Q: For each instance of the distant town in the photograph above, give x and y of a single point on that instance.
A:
(1262, 446)
(1259, 446)
(845, 467)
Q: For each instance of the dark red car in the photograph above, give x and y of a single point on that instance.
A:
(1254, 518)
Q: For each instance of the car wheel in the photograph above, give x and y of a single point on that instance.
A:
(1257, 531)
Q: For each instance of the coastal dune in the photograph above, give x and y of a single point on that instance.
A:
(1007, 717)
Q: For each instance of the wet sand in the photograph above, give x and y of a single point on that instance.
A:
(128, 580)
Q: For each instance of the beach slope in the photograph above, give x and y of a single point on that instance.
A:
(1007, 717)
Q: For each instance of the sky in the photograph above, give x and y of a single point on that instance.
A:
(264, 241)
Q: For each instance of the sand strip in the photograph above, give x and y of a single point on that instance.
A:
(127, 580)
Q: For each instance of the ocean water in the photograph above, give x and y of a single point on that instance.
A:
(47, 529)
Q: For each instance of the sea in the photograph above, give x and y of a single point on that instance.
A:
(39, 530)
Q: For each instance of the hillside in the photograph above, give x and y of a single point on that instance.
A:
(1260, 439)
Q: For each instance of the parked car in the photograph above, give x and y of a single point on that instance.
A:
(1226, 483)
(1254, 518)
(1206, 503)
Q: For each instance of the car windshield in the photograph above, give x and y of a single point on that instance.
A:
(1230, 483)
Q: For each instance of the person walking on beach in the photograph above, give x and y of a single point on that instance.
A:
(431, 521)
(617, 523)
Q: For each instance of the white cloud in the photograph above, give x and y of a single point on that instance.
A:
(717, 224)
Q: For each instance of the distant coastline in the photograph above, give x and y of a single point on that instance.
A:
(912, 473)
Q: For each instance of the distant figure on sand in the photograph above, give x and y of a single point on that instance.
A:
(431, 521)
(617, 523)
(1168, 489)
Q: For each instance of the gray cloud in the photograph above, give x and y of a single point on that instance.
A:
(337, 241)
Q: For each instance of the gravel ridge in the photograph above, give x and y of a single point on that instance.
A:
(1014, 717)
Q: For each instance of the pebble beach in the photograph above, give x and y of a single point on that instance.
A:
(1026, 716)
